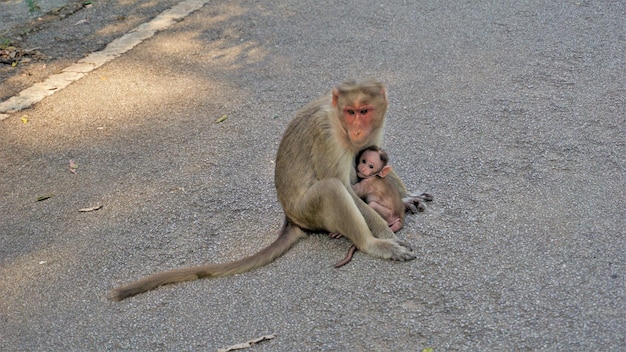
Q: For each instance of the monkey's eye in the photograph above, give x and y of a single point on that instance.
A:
(363, 161)
(370, 166)
(364, 111)
(350, 112)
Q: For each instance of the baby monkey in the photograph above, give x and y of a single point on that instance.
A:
(378, 191)
(375, 189)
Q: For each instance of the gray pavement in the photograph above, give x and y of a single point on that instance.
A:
(510, 114)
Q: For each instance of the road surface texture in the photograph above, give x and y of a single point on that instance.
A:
(510, 113)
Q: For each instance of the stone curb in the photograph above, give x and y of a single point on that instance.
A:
(34, 94)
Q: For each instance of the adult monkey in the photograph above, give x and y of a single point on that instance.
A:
(314, 170)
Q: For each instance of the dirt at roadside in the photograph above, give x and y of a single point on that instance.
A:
(40, 46)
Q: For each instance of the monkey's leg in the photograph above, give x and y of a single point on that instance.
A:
(377, 224)
(330, 206)
(396, 225)
(382, 210)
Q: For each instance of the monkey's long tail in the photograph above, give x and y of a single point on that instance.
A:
(288, 237)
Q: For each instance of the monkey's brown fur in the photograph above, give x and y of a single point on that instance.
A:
(314, 170)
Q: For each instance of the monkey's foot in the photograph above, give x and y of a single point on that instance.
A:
(335, 235)
(415, 203)
(391, 249)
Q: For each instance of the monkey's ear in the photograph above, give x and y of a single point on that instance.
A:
(384, 171)
(335, 97)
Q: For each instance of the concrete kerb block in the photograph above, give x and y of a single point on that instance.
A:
(38, 91)
(184, 8)
(97, 59)
(83, 67)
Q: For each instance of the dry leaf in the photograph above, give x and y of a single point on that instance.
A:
(221, 119)
(250, 343)
(47, 196)
(73, 167)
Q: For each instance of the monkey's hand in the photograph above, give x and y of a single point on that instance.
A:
(415, 203)
(390, 248)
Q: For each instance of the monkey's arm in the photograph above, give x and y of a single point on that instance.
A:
(413, 202)
(360, 189)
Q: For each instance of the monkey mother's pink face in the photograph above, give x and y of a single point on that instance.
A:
(358, 119)
(369, 164)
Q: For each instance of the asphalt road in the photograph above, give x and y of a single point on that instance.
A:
(16, 13)
(511, 114)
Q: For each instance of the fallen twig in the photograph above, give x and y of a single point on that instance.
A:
(250, 343)
(84, 210)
